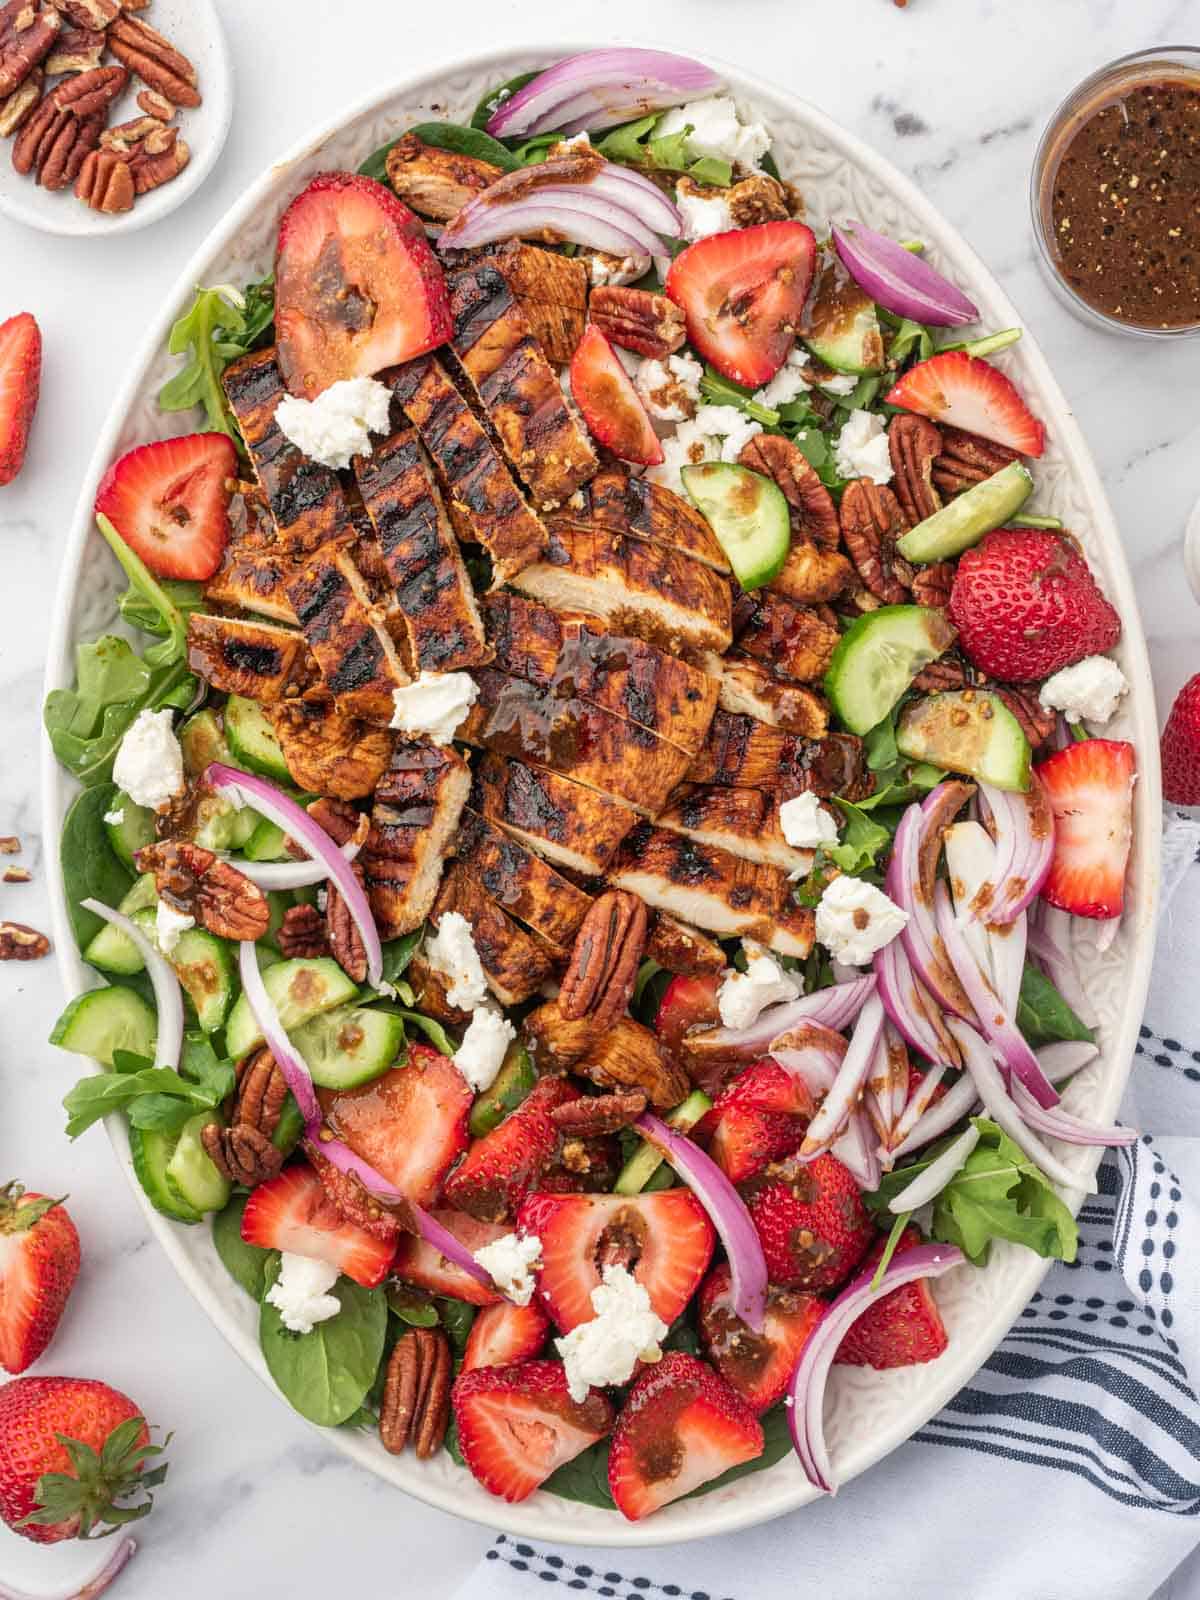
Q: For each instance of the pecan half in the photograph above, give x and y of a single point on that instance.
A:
(597, 1114)
(261, 1092)
(19, 943)
(914, 444)
(91, 93)
(966, 459)
(155, 59)
(155, 153)
(95, 14)
(156, 105)
(638, 320)
(241, 1154)
(416, 1393)
(813, 514)
(1037, 724)
(17, 107)
(943, 675)
(10, 845)
(17, 875)
(931, 586)
(345, 942)
(194, 881)
(871, 523)
(28, 29)
(604, 959)
(76, 50)
(302, 932)
(105, 182)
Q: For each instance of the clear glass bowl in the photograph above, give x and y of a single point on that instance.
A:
(1104, 86)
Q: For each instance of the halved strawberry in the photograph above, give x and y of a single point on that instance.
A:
(743, 294)
(517, 1425)
(357, 285)
(500, 1169)
(686, 1003)
(20, 382)
(169, 501)
(811, 1220)
(611, 406)
(664, 1239)
(504, 1335)
(1090, 789)
(420, 1264)
(410, 1124)
(758, 1118)
(292, 1212)
(902, 1329)
(968, 392)
(681, 1426)
(758, 1365)
(39, 1262)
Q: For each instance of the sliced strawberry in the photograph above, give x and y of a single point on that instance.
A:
(292, 1212)
(902, 1329)
(517, 1425)
(39, 1262)
(500, 1169)
(20, 381)
(169, 501)
(357, 285)
(758, 1118)
(595, 1165)
(743, 294)
(758, 1365)
(664, 1239)
(811, 1220)
(611, 406)
(420, 1264)
(410, 1124)
(504, 1335)
(968, 392)
(1090, 788)
(681, 1426)
(686, 1003)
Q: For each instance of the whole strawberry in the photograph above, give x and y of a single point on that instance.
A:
(39, 1262)
(71, 1454)
(1025, 603)
(1181, 747)
(20, 380)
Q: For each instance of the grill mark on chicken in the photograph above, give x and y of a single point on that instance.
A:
(248, 658)
(791, 641)
(744, 753)
(575, 826)
(418, 804)
(515, 961)
(347, 633)
(743, 821)
(526, 886)
(615, 499)
(326, 750)
(254, 581)
(551, 290)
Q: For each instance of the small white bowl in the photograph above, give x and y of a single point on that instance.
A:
(194, 27)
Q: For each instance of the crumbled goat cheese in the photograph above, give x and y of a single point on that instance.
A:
(169, 924)
(844, 383)
(435, 704)
(481, 1053)
(862, 448)
(149, 764)
(854, 919)
(671, 388)
(805, 822)
(788, 384)
(1087, 691)
(116, 818)
(451, 951)
(337, 425)
(717, 433)
(743, 995)
(575, 142)
(613, 271)
(301, 1292)
(702, 217)
(624, 1331)
(717, 131)
(512, 1260)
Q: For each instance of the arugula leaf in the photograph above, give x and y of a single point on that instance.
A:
(495, 98)
(817, 448)
(862, 839)
(245, 1263)
(635, 144)
(724, 392)
(907, 338)
(530, 151)
(152, 1097)
(879, 744)
(710, 170)
(325, 1375)
(173, 646)
(1042, 1013)
(625, 143)
(221, 324)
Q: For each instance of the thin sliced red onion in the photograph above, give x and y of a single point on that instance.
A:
(727, 1210)
(1067, 1129)
(847, 1086)
(877, 1091)
(958, 1101)
(900, 281)
(570, 213)
(971, 867)
(601, 89)
(806, 1392)
(1051, 943)
(248, 789)
(835, 1007)
(637, 194)
(1006, 943)
(289, 1060)
(113, 1563)
(900, 1067)
(811, 1053)
(1023, 825)
(292, 874)
(904, 1000)
(855, 1149)
(927, 1185)
(903, 884)
(168, 996)
(1065, 1057)
(920, 1102)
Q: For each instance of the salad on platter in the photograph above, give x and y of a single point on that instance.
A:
(578, 840)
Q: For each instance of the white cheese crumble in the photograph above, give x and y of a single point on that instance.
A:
(717, 433)
(301, 1292)
(1089, 690)
(702, 216)
(169, 924)
(862, 448)
(435, 704)
(149, 764)
(743, 995)
(624, 1331)
(614, 271)
(854, 919)
(481, 1054)
(116, 818)
(845, 383)
(717, 131)
(805, 822)
(788, 384)
(338, 424)
(670, 388)
(451, 951)
(512, 1261)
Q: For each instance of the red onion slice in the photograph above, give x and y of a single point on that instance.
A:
(1067, 1129)
(289, 1060)
(1023, 825)
(844, 1092)
(92, 1587)
(291, 874)
(904, 1000)
(806, 1392)
(856, 1150)
(601, 89)
(919, 1103)
(812, 1054)
(1065, 1057)
(904, 884)
(580, 218)
(1051, 943)
(958, 1101)
(900, 281)
(168, 997)
(835, 1007)
(927, 1185)
(637, 194)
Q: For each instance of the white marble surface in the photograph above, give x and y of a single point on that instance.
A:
(956, 91)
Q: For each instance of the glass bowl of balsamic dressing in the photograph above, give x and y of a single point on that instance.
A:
(1116, 195)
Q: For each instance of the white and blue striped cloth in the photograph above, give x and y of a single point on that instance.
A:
(1069, 1468)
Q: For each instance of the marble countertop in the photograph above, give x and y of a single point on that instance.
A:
(956, 92)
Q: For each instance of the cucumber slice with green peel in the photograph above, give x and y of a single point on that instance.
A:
(252, 739)
(105, 1020)
(190, 1175)
(265, 843)
(143, 895)
(965, 520)
(967, 730)
(135, 829)
(645, 1160)
(290, 1127)
(842, 327)
(514, 1082)
(349, 1045)
(299, 990)
(748, 514)
(202, 740)
(112, 950)
(151, 1152)
(207, 969)
(279, 902)
(223, 826)
(877, 658)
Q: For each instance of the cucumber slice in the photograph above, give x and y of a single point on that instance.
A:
(265, 843)
(112, 950)
(151, 1152)
(278, 904)
(203, 740)
(965, 520)
(223, 826)
(747, 513)
(143, 895)
(252, 739)
(877, 658)
(135, 829)
(842, 328)
(969, 731)
(206, 968)
(349, 1045)
(104, 1020)
(514, 1081)
(300, 990)
(190, 1174)
(289, 1128)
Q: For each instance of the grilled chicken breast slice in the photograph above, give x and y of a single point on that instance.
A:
(577, 827)
(515, 961)
(743, 821)
(748, 689)
(347, 633)
(255, 659)
(527, 887)
(615, 499)
(790, 641)
(682, 949)
(436, 183)
(326, 750)
(552, 291)
(419, 801)
(254, 580)
(746, 754)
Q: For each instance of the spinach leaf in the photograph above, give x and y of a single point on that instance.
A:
(173, 646)
(397, 953)
(1042, 1013)
(90, 868)
(862, 839)
(530, 151)
(85, 725)
(221, 324)
(433, 1031)
(457, 1317)
(412, 1307)
(245, 1263)
(325, 1374)
(817, 448)
(153, 1097)
(495, 98)
(879, 745)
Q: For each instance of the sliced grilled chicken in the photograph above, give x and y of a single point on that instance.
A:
(575, 655)
(254, 580)
(419, 801)
(569, 824)
(251, 658)
(743, 753)
(347, 633)
(710, 887)
(791, 641)
(552, 291)
(421, 556)
(527, 887)
(649, 590)
(629, 1056)
(436, 183)
(682, 949)
(327, 751)
(430, 988)
(743, 821)
(515, 962)
(643, 510)
(485, 504)
(517, 387)
(747, 688)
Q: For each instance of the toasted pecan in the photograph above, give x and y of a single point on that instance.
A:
(28, 30)
(302, 932)
(592, 1115)
(605, 958)
(871, 524)
(19, 943)
(194, 881)
(914, 444)
(638, 320)
(154, 59)
(416, 1393)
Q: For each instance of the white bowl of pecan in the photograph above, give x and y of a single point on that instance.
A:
(112, 113)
